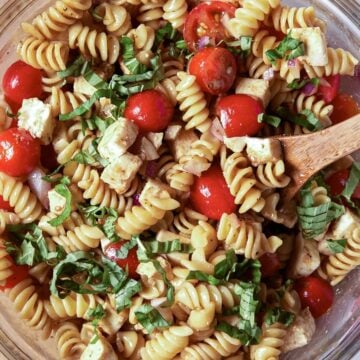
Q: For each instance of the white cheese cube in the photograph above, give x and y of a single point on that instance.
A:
(235, 144)
(147, 150)
(154, 189)
(113, 320)
(182, 143)
(121, 171)
(117, 138)
(258, 88)
(57, 202)
(344, 226)
(261, 151)
(36, 117)
(99, 350)
(81, 86)
(155, 138)
(315, 45)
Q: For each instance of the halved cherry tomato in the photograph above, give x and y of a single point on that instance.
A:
(205, 20)
(315, 293)
(215, 69)
(5, 205)
(20, 273)
(270, 264)
(21, 81)
(130, 263)
(328, 92)
(337, 182)
(345, 106)
(150, 110)
(238, 115)
(19, 152)
(48, 157)
(210, 194)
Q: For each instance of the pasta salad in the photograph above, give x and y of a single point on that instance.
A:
(141, 208)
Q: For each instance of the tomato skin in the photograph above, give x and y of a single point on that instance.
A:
(238, 115)
(210, 194)
(315, 293)
(21, 81)
(337, 182)
(48, 157)
(20, 273)
(345, 106)
(214, 68)
(270, 264)
(131, 262)
(328, 93)
(208, 15)
(150, 110)
(5, 205)
(19, 152)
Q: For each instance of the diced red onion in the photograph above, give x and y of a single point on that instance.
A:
(136, 199)
(151, 169)
(203, 42)
(217, 130)
(324, 82)
(269, 74)
(309, 89)
(39, 186)
(292, 63)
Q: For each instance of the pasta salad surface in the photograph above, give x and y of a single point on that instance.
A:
(141, 208)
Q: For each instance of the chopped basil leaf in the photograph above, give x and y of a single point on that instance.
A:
(123, 252)
(129, 56)
(83, 157)
(272, 120)
(336, 246)
(200, 275)
(248, 303)
(150, 318)
(352, 182)
(95, 80)
(289, 48)
(167, 32)
(166, 247)
(248, 335)
(109, 225)
(64, 191)
(298, 84)
(91, 155)
(124, 295)
(240, 47)
(277, 314)
(96, 314)
(224, 268)
(79, 67)
(97, 123)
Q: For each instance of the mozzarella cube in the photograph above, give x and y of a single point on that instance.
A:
(261, 151)
(81, 86)
(300, 331)
(182, 143)
(99, 350)
(147, 150)
(117, 138)
(57, 202)
(121, 171)
(113, 321)
(315, 45)
(344, 226)
(35, 116)
(172, 132)
(235, 144)
(155, 138)
(154, 189)
(258, 88)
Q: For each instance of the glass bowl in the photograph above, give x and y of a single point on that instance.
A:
(338, 332)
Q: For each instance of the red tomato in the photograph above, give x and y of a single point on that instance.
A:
(21, 81)
(328, 92)
(5, 205)
(215, 69)
(337, 182)
(205, 20)
(238, 115)
(345, 106)
(130, 263)
(20, 273)
(48, 157)
(150, 110)
(270, 264)
(210, 194)
(19, 152)
(315, 293)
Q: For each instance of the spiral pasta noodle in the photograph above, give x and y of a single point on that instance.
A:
(175, 12)
(192, 103)
(151, 13)
(93, 43)
(129, 344)
(5, 264)
(68, 341)
(256, 67)
(143, 37)
(56, 19)
(272, 175)
(51, 80)
(45, 55)
(263, 42)
(30, 307)
(186, 220)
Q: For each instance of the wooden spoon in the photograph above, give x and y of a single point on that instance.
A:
(305, 155)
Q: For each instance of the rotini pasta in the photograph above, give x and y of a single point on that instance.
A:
(69, 344)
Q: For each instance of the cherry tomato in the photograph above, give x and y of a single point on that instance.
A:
(20, 273)
(48, 157)
(210, 194)
(270, 264)
(315, 293)
(215, 69)
(5, 205)
(21, 81)
(19, 152)
(150, 110)
(328, 92)
(205, 20)
(130, 263)
(345, 106)
(337, 182)
(238, 115)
